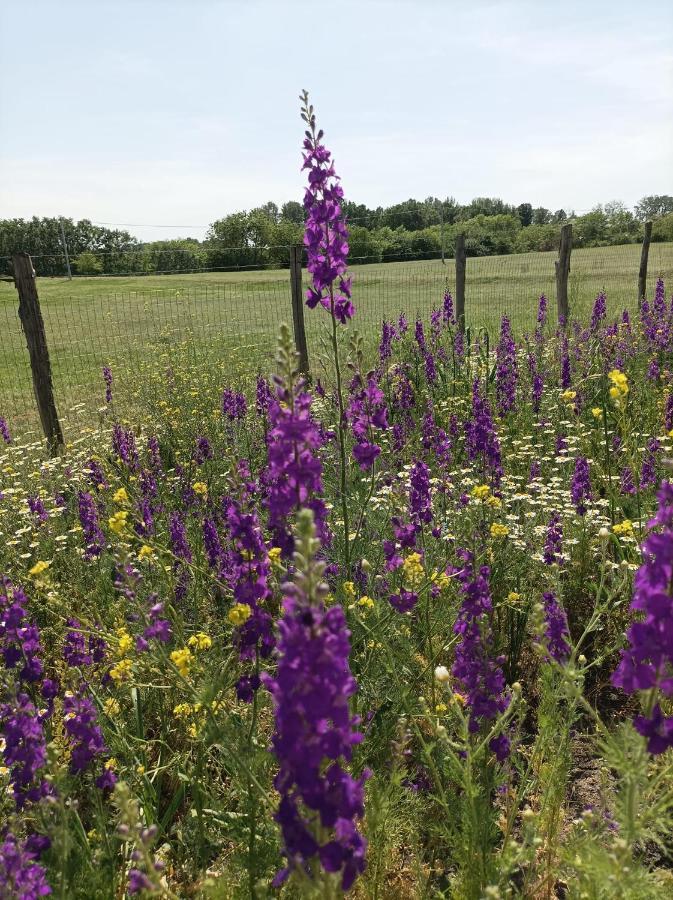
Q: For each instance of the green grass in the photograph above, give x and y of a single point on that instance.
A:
(230, 319)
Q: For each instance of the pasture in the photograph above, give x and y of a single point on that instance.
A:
(229, 320)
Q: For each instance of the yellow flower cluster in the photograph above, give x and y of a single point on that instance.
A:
(569, 396)
(200, 488)
(117, 522)
(625, 527)
(620, 387)
(413, 571)
(367, 602)
(481, 491)
(274, 556)
(182, 660)
(498, 530)
(120, 496)
(239, 614)
(200, 641)
(121, 671)
(513, 597)
(597, 412)
(39, 567)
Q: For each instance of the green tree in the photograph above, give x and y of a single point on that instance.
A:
(87, 263)
(654, 206)
(525, 213)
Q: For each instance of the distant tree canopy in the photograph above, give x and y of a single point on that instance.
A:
(261, 237)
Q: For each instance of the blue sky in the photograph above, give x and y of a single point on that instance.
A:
(177, 112)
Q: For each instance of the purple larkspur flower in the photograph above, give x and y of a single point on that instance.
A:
(367, 414)
(107, 378)
(387, 335)
(234, 405)
(483, 443)
(37, 509)
(647, 663)
(80, 651)
(294, 472)
(19, 639)
(580, 486)
(202, 450)
(648, 471)
(626, 482)
(124, 445)
(325, 231)
(4, 431)
(94, 539)
(553, 544)
(598, 312)
(556, 632)
(420, 502)
(80, 720)
(506, 372)
(21, 876)
(448, 314)
(263, 396)
(479, 675)
(25, 749)
(314, 731)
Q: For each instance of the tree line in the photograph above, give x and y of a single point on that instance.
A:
(261, 237)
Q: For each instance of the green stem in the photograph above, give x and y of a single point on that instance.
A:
(342, 438)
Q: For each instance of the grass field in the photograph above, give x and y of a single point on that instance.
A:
(229, 320)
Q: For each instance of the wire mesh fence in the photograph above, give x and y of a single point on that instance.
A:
(230, 323)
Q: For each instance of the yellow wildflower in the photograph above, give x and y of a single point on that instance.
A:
(117, 522)
(274, 556)
(182, 711)
(124, 642)
(349, 589)
(120, 496)
(620, 386)
(367, 602)
(494, 502)
(145, 552)
(112, 707)
(121, 671)
(441, 579)
(441, 708)
(182, 660)
(596, 412)
(39, 567)
(481, 491)
(625, 527)
(498, 530)
(239, 614)
(568, 396)
(412, 567)
(512, 597)
(200, 488)
(200, 641)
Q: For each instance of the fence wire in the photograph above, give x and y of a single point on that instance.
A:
(230, 323)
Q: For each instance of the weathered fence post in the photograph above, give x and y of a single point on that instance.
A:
(33, 327)
(460, 281)
(298, 308)
(642, 272)
(562, 272)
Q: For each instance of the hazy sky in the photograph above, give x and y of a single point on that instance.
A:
(178, 112)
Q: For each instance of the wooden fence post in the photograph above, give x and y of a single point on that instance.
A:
(460, 281)
(33, 327)
(298, 308)
(562, 272)
(642, 272)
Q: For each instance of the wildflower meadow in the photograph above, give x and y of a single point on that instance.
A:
(400, 630)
